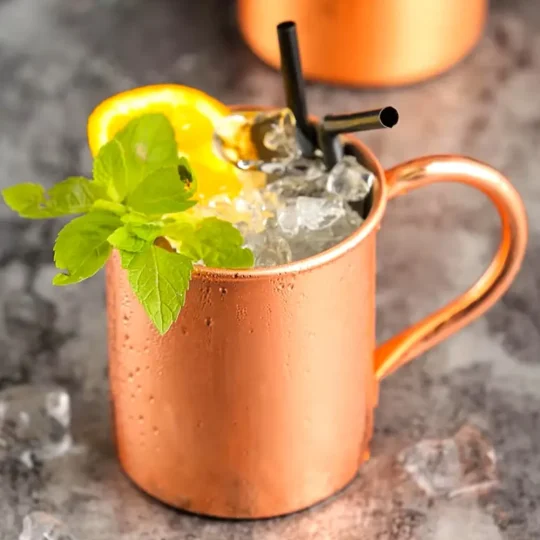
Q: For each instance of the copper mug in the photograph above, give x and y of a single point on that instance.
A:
(367, 42)
(259, 400)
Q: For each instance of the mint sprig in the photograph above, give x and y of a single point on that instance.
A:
(135, 203)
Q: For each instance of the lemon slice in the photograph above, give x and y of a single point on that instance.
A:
(193, 115)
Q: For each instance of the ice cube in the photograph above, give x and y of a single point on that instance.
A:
(275, 251)
(34, 423)
(450, 467)
(254, 139)
(295, 185)
(346, 225)
(249, 207)
(268, 247)
(315, 214)
(434, 465)
(288, 218)
(306, 169)
(350, 180)
(43, 526)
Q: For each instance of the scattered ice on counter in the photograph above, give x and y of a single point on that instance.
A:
(43, 526)
(299, 209)
(451, 467)
(34, 423)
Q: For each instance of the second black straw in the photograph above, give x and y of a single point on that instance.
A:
(294, 85)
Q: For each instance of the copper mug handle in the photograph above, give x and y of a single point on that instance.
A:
(499, 275)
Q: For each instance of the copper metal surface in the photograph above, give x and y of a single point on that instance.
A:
(259, 400)
(367, 42)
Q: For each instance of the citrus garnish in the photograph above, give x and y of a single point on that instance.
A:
(192, 114)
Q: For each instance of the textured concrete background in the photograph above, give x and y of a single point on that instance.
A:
(59, 58)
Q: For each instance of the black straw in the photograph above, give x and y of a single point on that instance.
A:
(363, 121)
(330, 146)
(334, 124)
(294, 86)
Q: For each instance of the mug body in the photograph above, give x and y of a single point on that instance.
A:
(258, 402)
(367, 42)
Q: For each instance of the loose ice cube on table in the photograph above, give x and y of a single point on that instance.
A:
(34, 423)
(43, 526)
(459, 465)
(350, 180)
(253, 139)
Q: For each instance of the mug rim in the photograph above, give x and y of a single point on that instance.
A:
(320, 259)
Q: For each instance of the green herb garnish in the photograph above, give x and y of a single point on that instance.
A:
(139, 193)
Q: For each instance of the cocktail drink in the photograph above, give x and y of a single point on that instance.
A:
(240, 264)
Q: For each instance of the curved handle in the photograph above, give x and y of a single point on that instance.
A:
(496, 279)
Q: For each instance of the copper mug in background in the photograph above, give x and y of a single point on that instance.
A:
(259, 400)
(367, 42)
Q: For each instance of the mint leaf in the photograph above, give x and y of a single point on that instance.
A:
(110, 170)
(27, 200)
(134, 237)
(160, 280)
(125, 240)
(148, 143)
(146, 231)
(162, 192)
(102, 205)
(81, 248)
(217, 243)
(75, 195)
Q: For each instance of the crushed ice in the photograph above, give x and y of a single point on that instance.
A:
(300, 209)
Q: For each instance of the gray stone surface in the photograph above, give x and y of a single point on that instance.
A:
(58, 58)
